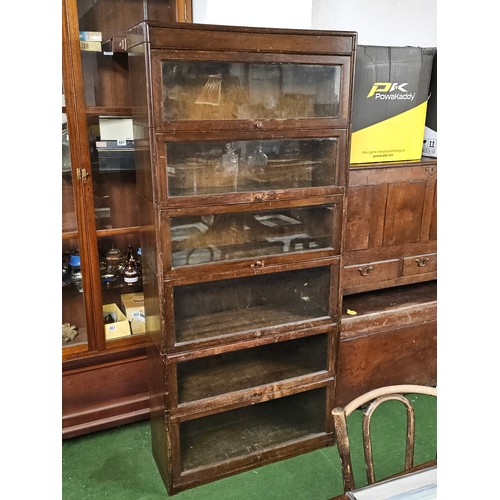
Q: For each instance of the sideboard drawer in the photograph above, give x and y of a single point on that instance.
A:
(420, 264)
(371, 272)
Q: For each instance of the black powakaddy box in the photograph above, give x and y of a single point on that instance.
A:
(430, 132)
(391, 90)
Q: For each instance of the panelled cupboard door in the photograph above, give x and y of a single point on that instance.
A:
(243, 160)
(391, 229)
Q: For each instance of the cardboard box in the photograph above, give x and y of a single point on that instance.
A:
(115, 156)
(133, 305)
(115, 149)
(114, 44)
(391, 90)
(120, 327)
(90, 46)
(430, 131)
(90, 36)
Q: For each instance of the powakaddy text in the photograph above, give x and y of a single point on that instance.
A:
(389, 91)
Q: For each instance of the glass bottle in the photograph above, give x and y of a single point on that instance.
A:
(258, 160)
(130, 254)
(114, 265)
(139, 260)
(131, 271)
(230, 163)
(66, 269)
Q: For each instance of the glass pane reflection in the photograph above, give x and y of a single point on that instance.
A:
(226, 307)
(74, 329)
(209, 238)
(231, 91)
(210, 167)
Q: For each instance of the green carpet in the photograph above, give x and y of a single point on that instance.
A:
(118, 463)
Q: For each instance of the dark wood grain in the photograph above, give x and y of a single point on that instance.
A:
(391, 223)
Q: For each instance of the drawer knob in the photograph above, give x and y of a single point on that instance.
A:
(258, 263)
(259, 125)
(365, 270)
(422, 261)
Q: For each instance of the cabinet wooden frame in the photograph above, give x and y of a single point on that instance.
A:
(177, 291)
(248, 125)
(160, 188)
(169, 344)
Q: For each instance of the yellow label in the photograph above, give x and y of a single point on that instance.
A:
(397, 138)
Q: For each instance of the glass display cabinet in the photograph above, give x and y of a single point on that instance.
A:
(103, 325)
(241, 142)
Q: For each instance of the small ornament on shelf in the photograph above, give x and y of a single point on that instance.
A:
(69, 332)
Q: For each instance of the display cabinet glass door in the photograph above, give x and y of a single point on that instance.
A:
(252, 430)
(197, 239)
(74, 326)
(209, 90)
(288, 300)
(104, 61)
(117, 225)
(215, 167)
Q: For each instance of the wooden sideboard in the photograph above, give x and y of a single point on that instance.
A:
(391, 233)
(391, 340)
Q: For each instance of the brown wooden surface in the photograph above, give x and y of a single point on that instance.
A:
(391, 224)
(104, 396)
(392, 339)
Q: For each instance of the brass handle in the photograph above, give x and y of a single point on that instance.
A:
(422, 261)
(259, 125)
(365, 270)
(258, 263)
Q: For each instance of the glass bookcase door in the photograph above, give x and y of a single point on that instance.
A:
(118, 301)
(74, 326)
(243, 369)
(215, 167)
(252, 430)
(209, 90)
(199, 239)
(290, 299)
(117, 224)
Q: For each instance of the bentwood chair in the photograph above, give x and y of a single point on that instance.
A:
(376, 397)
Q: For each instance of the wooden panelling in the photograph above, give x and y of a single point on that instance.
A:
(391, 222)
(359, 210)
(391, 340)
(403, 216)
(103, 396)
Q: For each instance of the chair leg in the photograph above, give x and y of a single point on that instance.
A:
(340, 423)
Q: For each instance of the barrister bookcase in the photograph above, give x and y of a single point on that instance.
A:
(242, 140)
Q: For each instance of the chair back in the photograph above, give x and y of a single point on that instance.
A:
(376, 397)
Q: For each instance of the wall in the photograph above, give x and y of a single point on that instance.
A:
(259, 13)
(384, 22)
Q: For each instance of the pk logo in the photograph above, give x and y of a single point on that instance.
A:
(386, 87)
